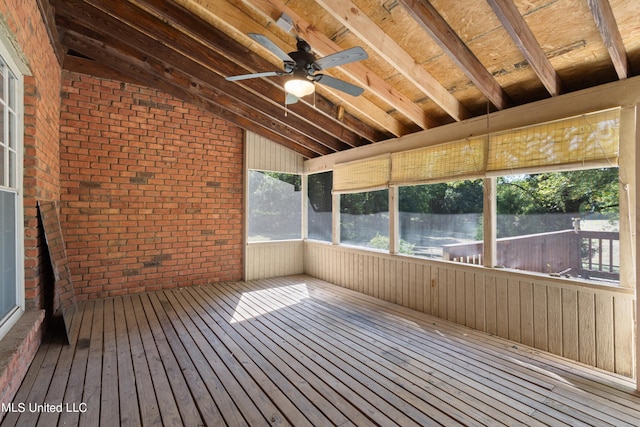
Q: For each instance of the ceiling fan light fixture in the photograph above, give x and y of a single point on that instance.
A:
(299, 87)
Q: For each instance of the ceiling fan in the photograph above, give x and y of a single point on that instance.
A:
(302, 66)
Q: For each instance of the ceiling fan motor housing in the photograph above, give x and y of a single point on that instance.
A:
(303, 57)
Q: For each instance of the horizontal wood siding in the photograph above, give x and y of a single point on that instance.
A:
(587, 323)
(274, 259)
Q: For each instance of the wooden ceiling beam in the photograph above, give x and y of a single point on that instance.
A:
(174, 82)
(323, 46)
(123, 33)
(515, 25)
(376, 39)
(435, 25)
(232, 58)
(228, 16)
(91, 67)
(48, 17)
(606, 22)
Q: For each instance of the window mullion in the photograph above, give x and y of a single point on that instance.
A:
(490, 222)
(394, 220)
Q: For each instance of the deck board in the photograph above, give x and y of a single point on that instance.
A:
(299, 351)
(169, 411)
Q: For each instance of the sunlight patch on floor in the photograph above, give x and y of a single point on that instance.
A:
(258, 303)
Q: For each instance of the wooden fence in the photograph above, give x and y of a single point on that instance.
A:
(588, 254)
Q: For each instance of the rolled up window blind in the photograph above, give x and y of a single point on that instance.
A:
(460, 160)
(362, 175)
(590, 139)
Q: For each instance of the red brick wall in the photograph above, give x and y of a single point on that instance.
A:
(151, 190)
(42, 109)
(25, 27)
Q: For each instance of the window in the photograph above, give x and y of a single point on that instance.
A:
(364, 219)
(275, 206)
(442, 220)
(560, 223)
(556, 191)
(320, 204)
(11, 236)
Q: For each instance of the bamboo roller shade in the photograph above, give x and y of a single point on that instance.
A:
(581, 141)
(362, 175)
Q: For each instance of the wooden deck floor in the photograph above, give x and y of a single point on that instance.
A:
(298, 351)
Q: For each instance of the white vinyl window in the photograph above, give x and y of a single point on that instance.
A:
(11, 223)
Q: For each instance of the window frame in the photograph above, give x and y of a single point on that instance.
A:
(365, 165)
(452, 180)
(338, 215)
(14, 184)
(305, 215)
(302, 208)
(599, 280)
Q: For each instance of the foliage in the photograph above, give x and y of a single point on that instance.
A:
(524, 202)
(593, 190)
(537, 196)
(274, 205)
(454, 197)
(382, 242)
(366, 203)
(320, 186)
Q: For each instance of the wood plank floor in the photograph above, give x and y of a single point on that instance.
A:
(299, 351)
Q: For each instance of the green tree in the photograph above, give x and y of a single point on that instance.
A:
(274, 205)
(455, 197)
(320, 186)
(365, 203)
(577, 192)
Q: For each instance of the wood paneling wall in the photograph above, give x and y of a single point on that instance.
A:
(264, 154)
(592, 324)
(278, 258)
(274, 259)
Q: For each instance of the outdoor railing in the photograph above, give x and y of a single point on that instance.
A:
(589, 254)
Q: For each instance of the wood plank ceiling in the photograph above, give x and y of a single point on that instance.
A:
(430, 62)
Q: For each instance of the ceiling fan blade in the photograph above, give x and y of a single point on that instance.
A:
(341, 85)
(290, 99)
(340, 58)
(264, 41)
(254, 76)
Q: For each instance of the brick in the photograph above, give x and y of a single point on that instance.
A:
(150, 185)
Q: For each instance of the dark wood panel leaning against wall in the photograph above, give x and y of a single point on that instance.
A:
(65, 298)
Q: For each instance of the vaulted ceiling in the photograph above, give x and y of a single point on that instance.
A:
(429, 62)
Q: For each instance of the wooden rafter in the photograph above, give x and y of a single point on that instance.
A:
(435, 25)
(137, 53)
(227, 15)
(606, 22)
(48, 17)
(258, 99)
(357, 22)
(521, 34)
(188, 47)
(323, 45)
(219, 47)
